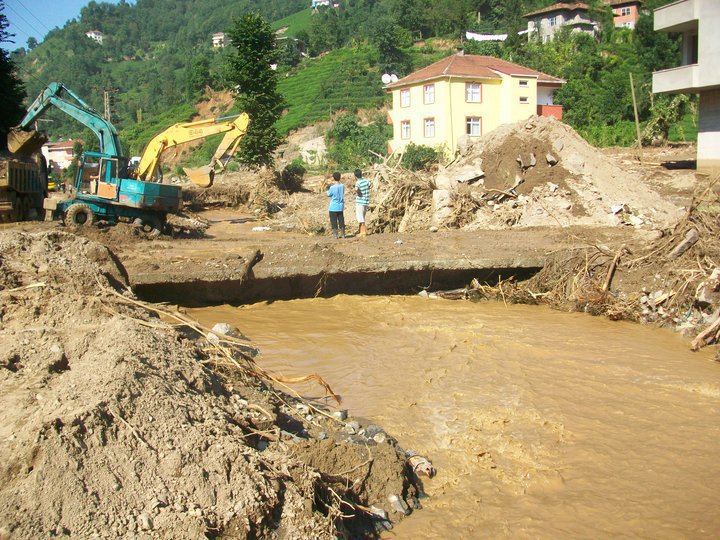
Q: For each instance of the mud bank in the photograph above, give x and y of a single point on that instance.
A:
(114, 422)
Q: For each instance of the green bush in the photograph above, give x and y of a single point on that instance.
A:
(418, 156)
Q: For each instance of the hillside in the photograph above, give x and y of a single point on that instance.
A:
(157, 59)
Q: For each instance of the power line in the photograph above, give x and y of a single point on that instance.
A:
(26, 22)
(33, 15)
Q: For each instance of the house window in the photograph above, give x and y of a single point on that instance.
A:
(523, 84)
(624, 12)
(524, 99)
(473, 126)
(405, 98)
(627, 24)
(429, 94)
(405, 129)
(429, 128)
(473, 92)
(552, 21)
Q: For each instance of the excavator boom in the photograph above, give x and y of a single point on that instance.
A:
(191, 131)
(24, 141)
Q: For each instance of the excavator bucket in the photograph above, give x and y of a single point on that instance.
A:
(202, 176)
(25, 142)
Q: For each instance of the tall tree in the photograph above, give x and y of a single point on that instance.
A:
(11, 87)
(250, 72)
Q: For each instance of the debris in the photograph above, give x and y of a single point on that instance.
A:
(420, 465)
(398, 505)
(261, 229)
(691, 237)
(552, 160)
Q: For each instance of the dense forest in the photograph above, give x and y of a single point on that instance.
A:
(157, 58)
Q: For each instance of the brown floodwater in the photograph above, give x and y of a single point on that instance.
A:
(541, 423)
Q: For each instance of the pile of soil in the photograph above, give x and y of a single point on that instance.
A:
(540, 172)
(112, 423)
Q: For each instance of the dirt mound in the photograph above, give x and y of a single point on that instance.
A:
(541, 172)
(111, 422)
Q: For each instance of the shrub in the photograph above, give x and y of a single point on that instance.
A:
(418, 156)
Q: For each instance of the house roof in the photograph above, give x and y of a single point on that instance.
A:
(563, 6)
(472, 65)
(612, 3)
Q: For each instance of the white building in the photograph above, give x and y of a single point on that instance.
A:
(58, 155)
(219, 39)
(95, 35)
(699, 72)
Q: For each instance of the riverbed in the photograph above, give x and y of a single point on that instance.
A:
(541, 423)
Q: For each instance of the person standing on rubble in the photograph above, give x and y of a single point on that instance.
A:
(362, 200)
(336, 192)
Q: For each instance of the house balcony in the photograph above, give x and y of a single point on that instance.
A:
(678, 79)
(550, 110)
(677, 17)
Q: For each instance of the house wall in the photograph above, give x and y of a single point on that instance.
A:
(627, 21)
(708, 143)
(500, 104)
(540, 25)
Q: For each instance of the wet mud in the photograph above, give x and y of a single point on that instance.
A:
(541, 423)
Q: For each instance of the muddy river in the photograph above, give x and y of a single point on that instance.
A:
(541, 423)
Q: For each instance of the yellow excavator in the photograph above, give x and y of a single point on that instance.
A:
(234, 128)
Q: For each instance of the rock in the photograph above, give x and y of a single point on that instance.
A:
(433, 229)
(340, 415)
(352, 427)
(423, 294)
(533, 160)
(398, 505)
(575, 163)
(322, 436)
(552, 187)
(558, 145)
(441, 206)
(372, 430)
(552, 160)
(380, 437)
(223, 329)
(145, 522)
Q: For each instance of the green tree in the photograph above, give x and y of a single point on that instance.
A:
(31, 43)
(197, 75)
(11, 87)
(387, 37)
(251, 74)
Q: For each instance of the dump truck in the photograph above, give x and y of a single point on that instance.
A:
(23, 186)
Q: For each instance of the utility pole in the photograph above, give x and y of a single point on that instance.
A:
(109, 102)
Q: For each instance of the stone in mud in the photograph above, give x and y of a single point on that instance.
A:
(340, 415)
(552, 160)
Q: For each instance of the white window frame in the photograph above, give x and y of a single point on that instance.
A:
(470, 93)
(524, 83)
(405, 132)
(429, 128)
(473, 126)
(524, 100)
(405, 97)
(429, 94)
(625, 11)
(552, 21)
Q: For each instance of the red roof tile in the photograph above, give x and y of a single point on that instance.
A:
(471, 65)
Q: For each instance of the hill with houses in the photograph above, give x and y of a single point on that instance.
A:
(156, 58)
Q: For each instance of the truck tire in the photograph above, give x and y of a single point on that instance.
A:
(79, 215)
(150, 226)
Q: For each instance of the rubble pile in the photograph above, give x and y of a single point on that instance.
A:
(112, 422)
(540, 172)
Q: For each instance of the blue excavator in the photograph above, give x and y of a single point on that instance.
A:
(103, 189)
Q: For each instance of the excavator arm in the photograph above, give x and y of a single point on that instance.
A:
(191, 131)
(22, 140)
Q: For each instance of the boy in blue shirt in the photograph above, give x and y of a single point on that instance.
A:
(336, 192)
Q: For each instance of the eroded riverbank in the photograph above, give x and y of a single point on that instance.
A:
(541, 423)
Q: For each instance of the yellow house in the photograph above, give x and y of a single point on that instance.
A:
(466, 96)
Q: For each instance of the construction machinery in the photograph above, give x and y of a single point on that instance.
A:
(23, 186)
(234, 128)
(105, 187)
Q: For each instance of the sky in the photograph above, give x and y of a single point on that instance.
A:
(37, 17)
